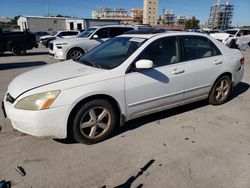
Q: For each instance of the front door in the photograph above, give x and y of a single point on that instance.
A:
(102, 34)
(155, 89)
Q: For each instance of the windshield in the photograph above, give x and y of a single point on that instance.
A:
(54, 33)
(231, 32)
(112, 53)
(87, 32)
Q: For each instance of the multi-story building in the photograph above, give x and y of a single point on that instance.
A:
(168, 17)
(137, 15)
(114, 14)
(150, 12)
(221, 15)
(181, 20)
(108, 13)
(5, 20)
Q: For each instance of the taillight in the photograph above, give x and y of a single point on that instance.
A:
(242, 60)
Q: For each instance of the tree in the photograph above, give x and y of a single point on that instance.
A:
(192, 23)
(14, 20)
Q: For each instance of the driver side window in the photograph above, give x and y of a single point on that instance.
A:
(103, 33)
(162, 52)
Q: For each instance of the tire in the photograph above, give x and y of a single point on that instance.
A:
(75, 54)
(18, 49)
(221, 91)
(86, 127)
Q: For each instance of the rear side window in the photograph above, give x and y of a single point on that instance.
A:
(198, 47)
(116, 31)
(72, 33)
(103, 33)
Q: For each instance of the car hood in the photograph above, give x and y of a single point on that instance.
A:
(48, 74)
(220, 36)
(46, 36)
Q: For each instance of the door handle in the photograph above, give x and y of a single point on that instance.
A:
(217, 62)
(178, 71)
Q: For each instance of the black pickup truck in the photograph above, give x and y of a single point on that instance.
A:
(17, 42)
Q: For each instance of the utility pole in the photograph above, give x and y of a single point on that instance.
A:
(48, 13)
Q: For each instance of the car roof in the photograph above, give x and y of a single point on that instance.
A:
(172, 33)
(122, 26)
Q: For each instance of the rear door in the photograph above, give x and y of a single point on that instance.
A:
(203, 64)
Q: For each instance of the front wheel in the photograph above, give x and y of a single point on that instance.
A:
(94, 122)
(220, 91)
(75, 54)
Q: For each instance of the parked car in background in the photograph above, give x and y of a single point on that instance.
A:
(40, 34)
(17, 42)
(234, 38)
(126, 77)
(74, 48)
(60, 34)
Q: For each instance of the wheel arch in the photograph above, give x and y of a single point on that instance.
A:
(13, 43)
(74, 110)
(73, 48)
(223, 74)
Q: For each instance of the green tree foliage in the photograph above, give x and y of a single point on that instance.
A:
(192, 23)
(14, 20)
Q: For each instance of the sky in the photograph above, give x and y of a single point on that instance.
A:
(83, 8)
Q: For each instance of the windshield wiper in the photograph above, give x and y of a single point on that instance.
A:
(91, 63)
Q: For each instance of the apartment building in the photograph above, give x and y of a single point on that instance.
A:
(221, 15)
(150, 12)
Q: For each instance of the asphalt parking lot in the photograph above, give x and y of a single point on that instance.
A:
(194, 146)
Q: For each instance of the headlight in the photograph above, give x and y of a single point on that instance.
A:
(40, 101)
(61, 44)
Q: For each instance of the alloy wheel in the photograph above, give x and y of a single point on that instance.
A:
(222, 90)
(95, 122)
(75, 54)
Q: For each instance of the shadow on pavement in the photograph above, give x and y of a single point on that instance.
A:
(128, 183)
(27, 54)
(8, 66)
(242, 87)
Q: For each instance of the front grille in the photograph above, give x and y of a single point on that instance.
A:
(51, 46)
(9, 98)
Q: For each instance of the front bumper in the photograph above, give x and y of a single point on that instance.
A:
(57, 54)
(50, 122)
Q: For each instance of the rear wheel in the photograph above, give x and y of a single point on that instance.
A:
(94, 122)
(18, 49)
(220, 91)
(75, 54)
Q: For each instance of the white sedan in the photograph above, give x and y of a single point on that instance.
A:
(124, 78)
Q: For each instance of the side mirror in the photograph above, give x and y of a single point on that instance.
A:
(95, 37)
(144, 64)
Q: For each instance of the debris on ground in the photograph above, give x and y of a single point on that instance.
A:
(20, 170)
(158, 122)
